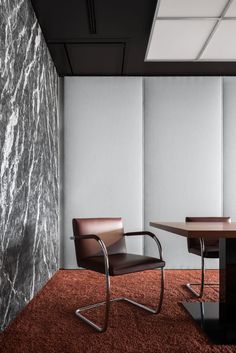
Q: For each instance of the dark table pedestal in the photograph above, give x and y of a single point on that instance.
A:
(207, 315)
(218, 320)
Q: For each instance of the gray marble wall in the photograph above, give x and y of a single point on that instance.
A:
(29, 145)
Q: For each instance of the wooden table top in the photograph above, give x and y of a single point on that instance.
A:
(198, 229)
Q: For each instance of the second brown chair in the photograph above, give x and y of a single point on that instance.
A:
(100, 246)
(204, 247)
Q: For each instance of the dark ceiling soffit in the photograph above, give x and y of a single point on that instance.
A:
(91, 16)
(68, 58)
(90, 42)
(104, 40)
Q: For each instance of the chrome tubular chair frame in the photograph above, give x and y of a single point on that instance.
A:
(202, 284)
(108, 300)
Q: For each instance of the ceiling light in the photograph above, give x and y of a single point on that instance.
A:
(222, 44)
(195, 8)
(178, 40)
(193, 30)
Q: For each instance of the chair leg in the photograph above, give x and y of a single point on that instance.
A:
(108, 301)
(147, 308)
(202, 284)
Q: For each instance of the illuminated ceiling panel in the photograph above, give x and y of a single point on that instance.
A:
(193, 30)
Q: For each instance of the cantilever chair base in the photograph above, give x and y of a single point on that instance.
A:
(198, 295)
(202, 284)
(206, 249)
(107, 304)
(109, 226)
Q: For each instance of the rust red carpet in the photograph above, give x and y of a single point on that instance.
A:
(48, 324)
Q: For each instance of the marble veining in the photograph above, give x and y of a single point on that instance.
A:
(29, 159)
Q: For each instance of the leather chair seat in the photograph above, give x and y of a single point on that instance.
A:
(120, 264)
(211, 251)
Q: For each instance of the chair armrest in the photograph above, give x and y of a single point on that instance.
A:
(150, 234)
(84, 237)
(101, 243)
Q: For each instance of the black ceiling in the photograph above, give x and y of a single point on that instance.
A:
(109, 37)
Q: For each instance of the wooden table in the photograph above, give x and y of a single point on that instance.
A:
(216, 319)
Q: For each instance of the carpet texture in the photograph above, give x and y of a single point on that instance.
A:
(48, 324)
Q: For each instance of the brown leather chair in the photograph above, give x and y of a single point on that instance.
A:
(204, 247)
(100, 246)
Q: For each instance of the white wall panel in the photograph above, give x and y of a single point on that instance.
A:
(103, 154)
(183, 157)
(229, 104)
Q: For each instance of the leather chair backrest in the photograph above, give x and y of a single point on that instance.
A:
(192, 243)
(110, 230)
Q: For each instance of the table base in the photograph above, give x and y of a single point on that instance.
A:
(207, 316)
